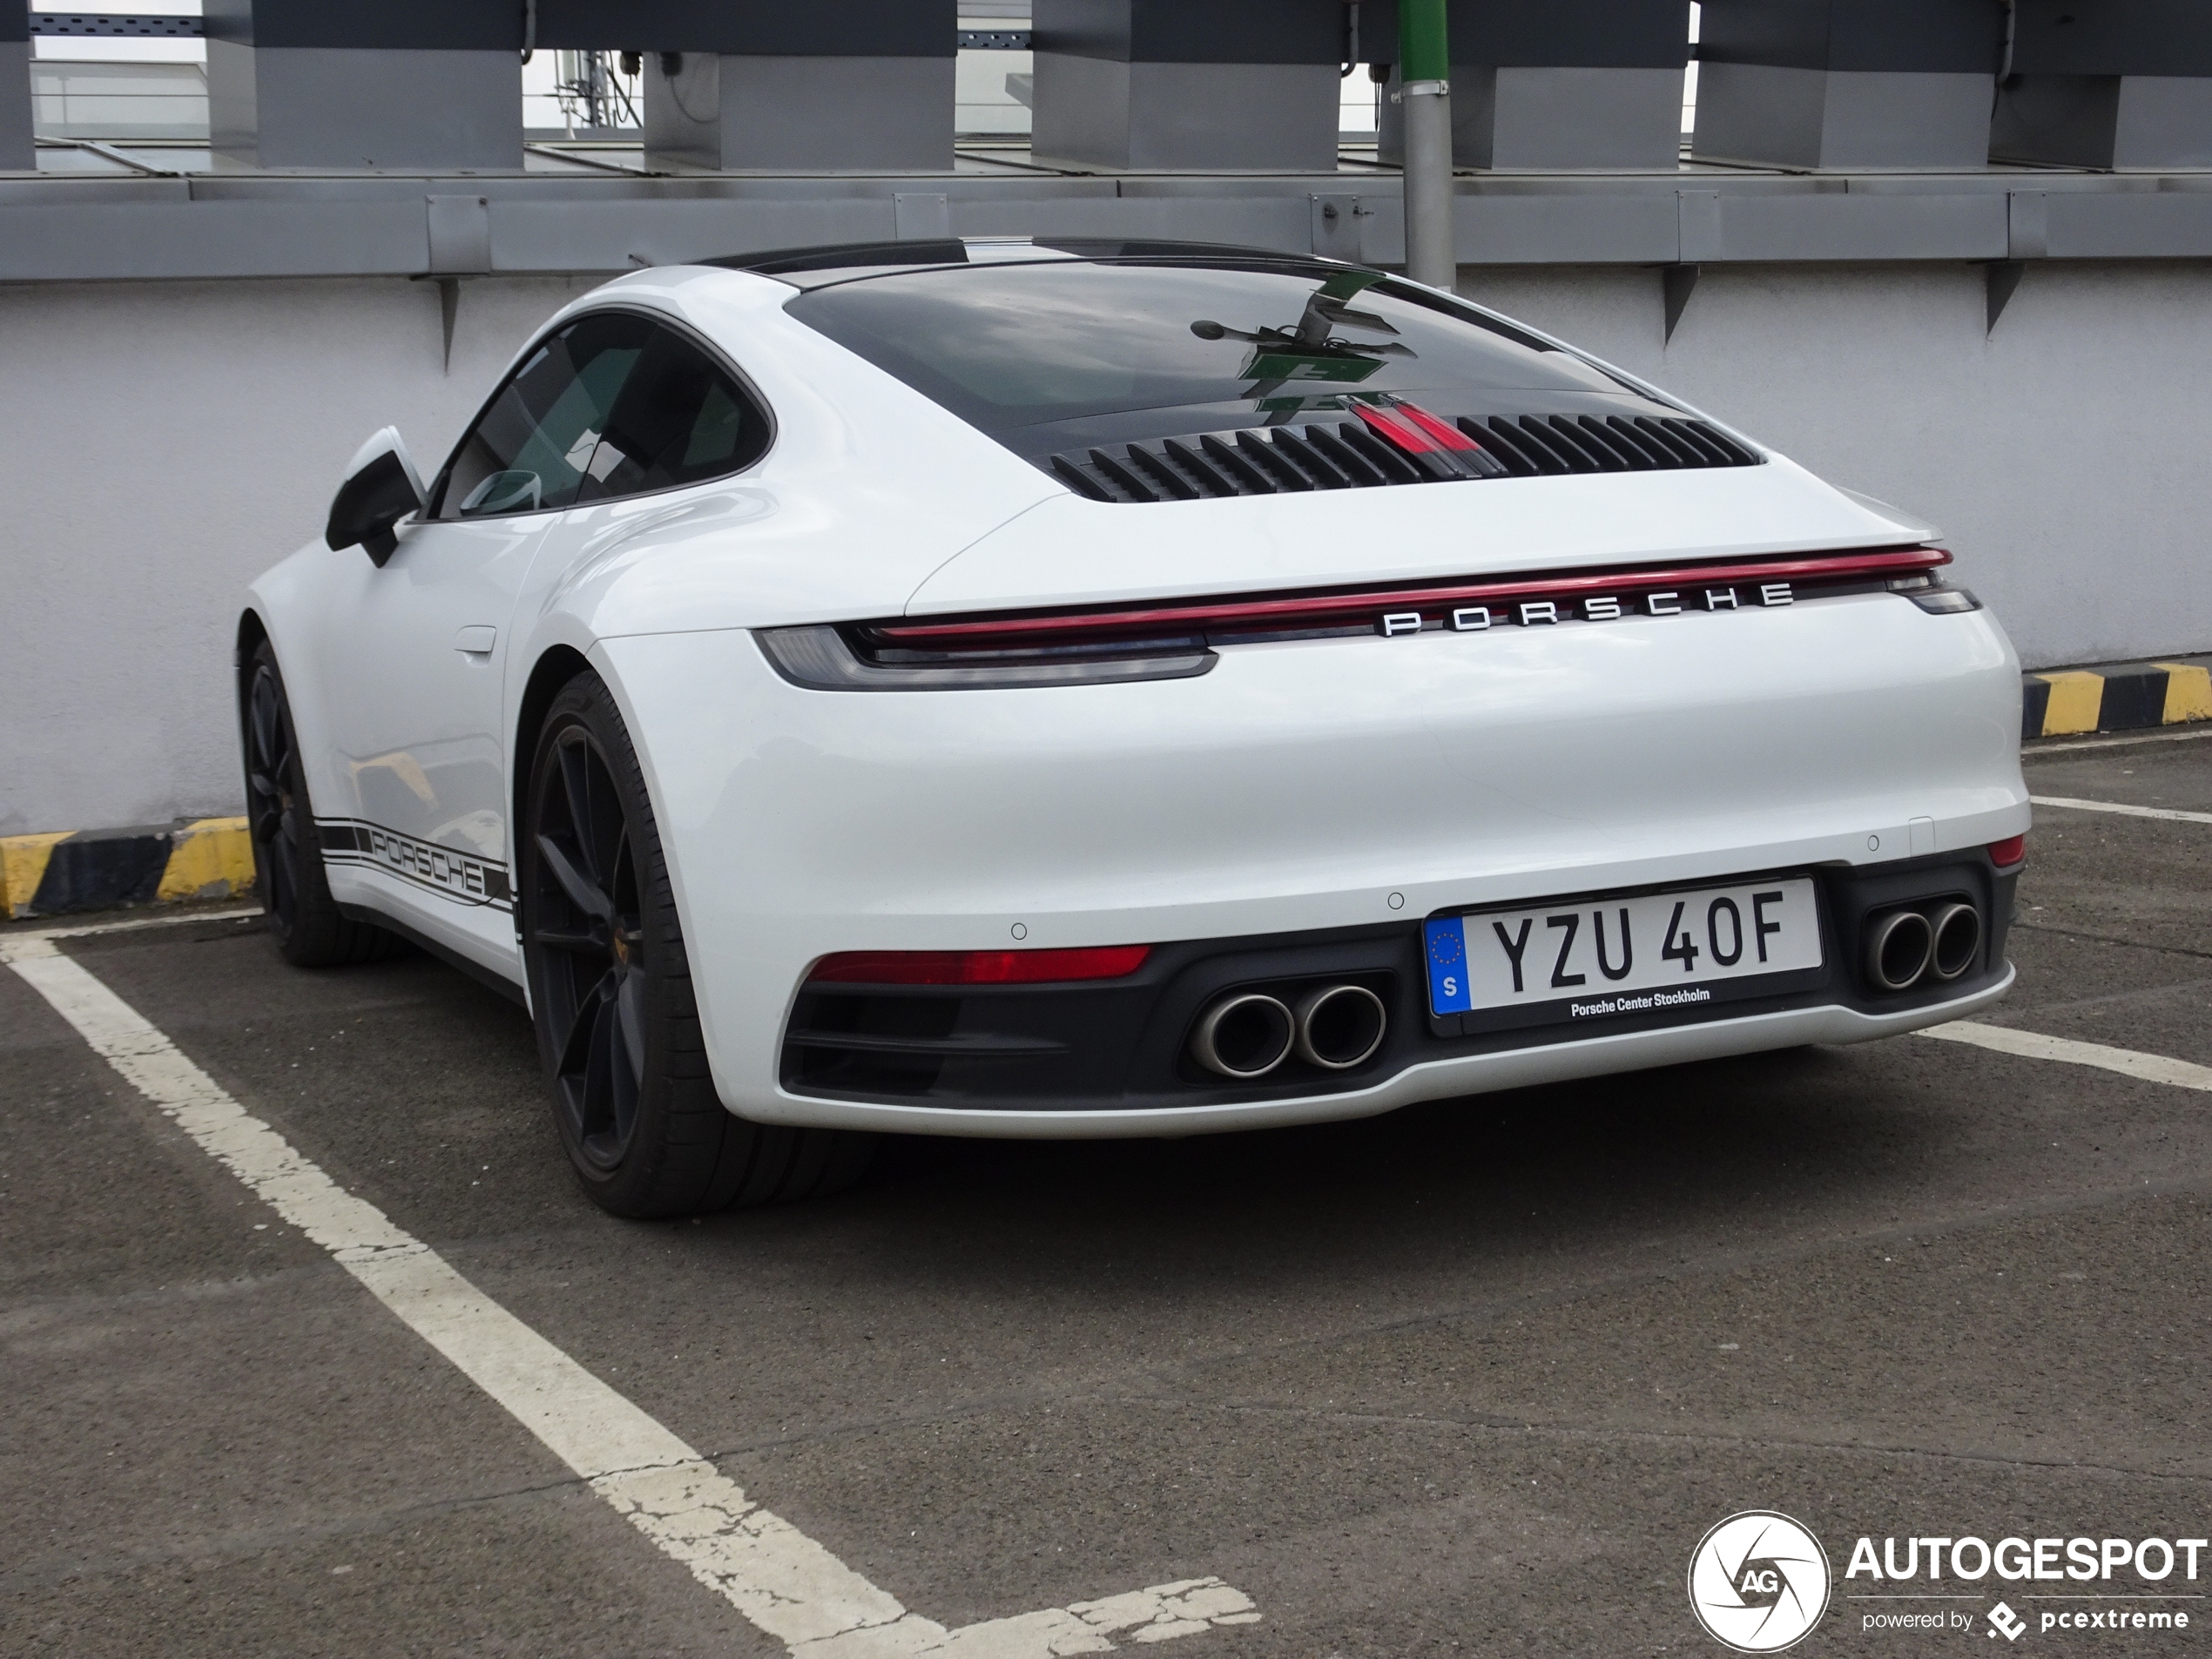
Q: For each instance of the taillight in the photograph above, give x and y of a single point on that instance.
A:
(1359, 608)
(978, 967)
(2012, 851)
(1176, 638)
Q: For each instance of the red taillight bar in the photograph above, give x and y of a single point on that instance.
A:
(2011, 851)
(977, 967)
(1315, 608)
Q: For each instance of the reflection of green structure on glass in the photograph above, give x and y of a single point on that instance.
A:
(1279, 367)
(1312, 350)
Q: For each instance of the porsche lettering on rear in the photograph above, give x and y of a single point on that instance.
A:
(1531, 613)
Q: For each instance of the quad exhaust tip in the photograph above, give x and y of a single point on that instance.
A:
(1246, 1035)
(1940, 943)
(1339, 1026)
(1897, 947)
(1957, 931)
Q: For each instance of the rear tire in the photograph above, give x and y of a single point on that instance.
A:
(304, 919)
(618, 1021)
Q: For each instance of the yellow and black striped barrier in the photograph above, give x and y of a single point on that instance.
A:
(45, 875)
(2115, 696)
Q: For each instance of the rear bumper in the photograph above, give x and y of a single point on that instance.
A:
(1112, 1054)
(1439, 1079)
(1304, 788)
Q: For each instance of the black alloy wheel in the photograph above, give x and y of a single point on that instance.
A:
(309, 926)
(611, 990)
(589, 944)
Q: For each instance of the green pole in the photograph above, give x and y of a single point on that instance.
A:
(1424, 91)
(1423, 51)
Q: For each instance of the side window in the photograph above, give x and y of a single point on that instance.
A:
(678, 419)
(612, 405)
(531, 448)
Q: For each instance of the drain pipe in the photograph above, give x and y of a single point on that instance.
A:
(1423, 66)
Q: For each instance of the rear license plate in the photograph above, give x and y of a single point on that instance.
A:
(1596, 959)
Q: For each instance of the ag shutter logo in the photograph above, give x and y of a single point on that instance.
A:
(1759, 1581)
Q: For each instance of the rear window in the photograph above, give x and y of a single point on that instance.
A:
(1049, 354)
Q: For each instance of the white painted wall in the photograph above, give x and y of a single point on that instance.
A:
(161, 442)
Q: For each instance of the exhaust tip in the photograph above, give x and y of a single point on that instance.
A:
(1957, 932)
(1244, 1035)
(1340, 1026)
(1897, 947)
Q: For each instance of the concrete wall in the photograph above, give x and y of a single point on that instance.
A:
(163, 442)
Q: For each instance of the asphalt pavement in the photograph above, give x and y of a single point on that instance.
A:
(1475, 1377)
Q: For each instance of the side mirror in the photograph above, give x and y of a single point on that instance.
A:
(382, 487)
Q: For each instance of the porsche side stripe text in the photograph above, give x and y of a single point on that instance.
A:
(462, 877)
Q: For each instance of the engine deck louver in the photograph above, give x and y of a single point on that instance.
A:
(1385, 447)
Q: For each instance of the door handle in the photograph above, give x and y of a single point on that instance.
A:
(477, 641)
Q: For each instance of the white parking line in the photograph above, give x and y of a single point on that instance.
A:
(2031, 750)
(780, 1579)
(2150, 1068)
(159, 919)
(2126, 812)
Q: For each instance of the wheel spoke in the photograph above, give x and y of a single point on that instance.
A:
(625, 1074)
(276, 755)
(629, 1004)
(599, 1069)
(563, 939)
(575, 759)
(578, 888)
(623, 888)
(576, 1041)
(608, 831)
(265, 718)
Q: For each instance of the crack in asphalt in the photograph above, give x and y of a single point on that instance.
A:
(1615, 1434)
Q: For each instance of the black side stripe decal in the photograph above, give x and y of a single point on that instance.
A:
(467, 878)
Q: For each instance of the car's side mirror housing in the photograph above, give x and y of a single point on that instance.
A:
(382, 487)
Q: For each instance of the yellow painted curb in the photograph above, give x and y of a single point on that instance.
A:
(2188, 692)
(211, 858)
(23, 866)
(2077, 698)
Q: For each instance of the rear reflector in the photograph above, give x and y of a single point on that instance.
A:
(977, 967)
(2011, 852)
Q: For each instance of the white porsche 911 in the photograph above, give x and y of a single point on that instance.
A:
(1090, 689)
